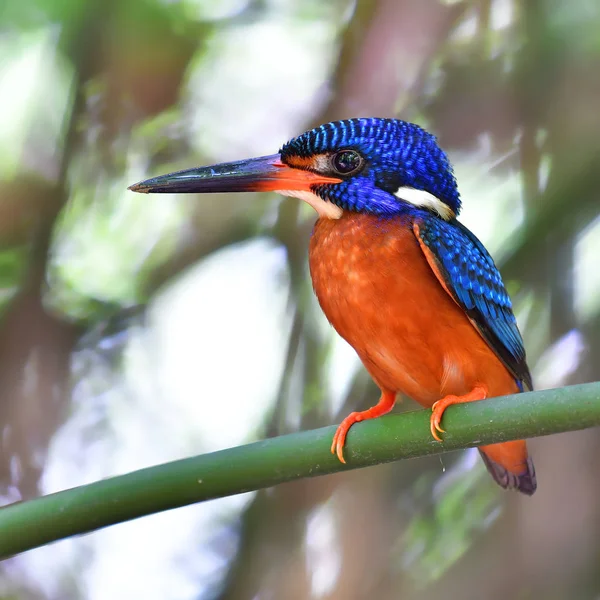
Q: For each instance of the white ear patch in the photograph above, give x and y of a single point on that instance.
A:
(327, 210)
(424, 199)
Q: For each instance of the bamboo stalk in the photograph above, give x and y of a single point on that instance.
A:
(80, 510)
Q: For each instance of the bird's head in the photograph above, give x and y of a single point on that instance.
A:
(376, 166)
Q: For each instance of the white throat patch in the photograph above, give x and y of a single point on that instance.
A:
(327, 210)
(424, 199)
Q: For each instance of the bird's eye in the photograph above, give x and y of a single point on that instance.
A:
(346, 162)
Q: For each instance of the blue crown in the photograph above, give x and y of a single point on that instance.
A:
(397, 154)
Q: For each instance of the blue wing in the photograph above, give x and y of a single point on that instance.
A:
(471, 277)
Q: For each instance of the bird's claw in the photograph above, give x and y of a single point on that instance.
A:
(337, 446)
(479, 392)
(339, 438)
(385, 404)
(437, 412)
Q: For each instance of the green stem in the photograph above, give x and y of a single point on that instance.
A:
(27, 525)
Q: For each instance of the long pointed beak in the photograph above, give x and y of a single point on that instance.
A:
(264, 174)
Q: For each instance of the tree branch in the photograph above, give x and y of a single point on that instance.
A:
(27, 525)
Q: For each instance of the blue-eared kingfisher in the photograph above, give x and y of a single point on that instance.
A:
(409, 287)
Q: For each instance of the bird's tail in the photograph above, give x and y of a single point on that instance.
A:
(510, 466)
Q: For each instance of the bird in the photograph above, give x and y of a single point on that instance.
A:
(398, 276)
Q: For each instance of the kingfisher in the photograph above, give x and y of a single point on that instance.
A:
(406, 284)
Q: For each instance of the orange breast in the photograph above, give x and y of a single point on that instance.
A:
(376, 288)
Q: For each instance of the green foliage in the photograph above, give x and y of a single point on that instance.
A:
(437, 538)
(99, 257)
(13, 263)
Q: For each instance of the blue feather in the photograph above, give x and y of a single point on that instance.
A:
(396, 154)
(472, 277)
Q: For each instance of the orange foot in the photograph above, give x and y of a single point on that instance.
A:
(479, 392)
(385, 404)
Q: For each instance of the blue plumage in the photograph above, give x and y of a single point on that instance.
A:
(475, 283)
(396, 154)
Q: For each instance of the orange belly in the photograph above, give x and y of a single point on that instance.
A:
(377, 290)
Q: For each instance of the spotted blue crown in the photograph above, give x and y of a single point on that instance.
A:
(396, 154)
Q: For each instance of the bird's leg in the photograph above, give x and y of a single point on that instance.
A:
(385, 404)
(479, 392)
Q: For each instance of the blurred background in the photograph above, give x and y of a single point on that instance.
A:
(140, 329)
